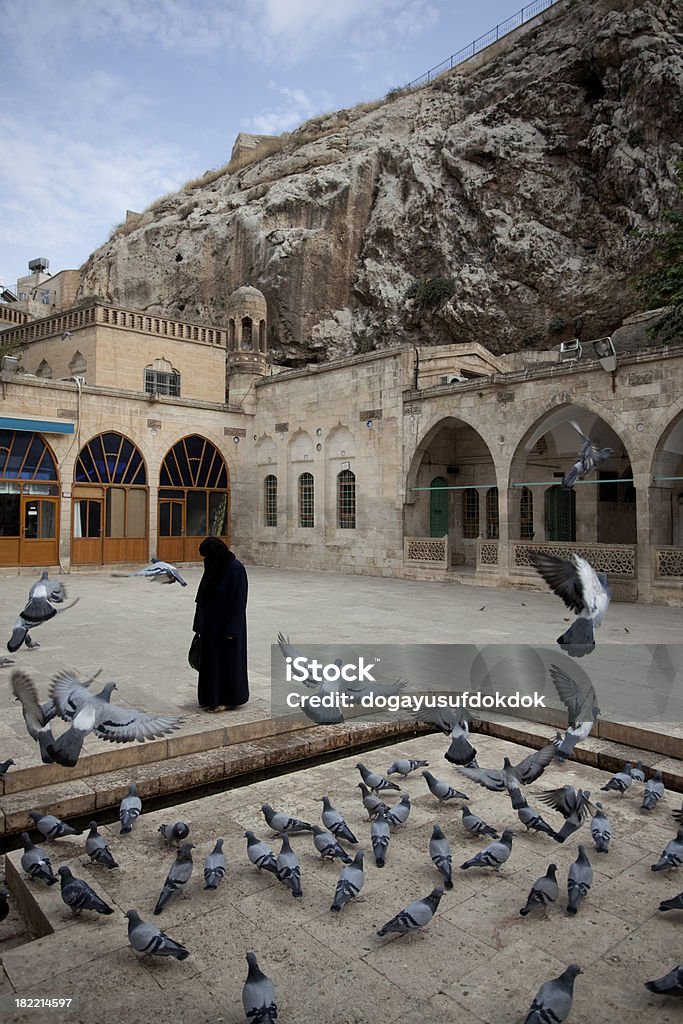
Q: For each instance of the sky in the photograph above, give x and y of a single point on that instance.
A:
(107, 104)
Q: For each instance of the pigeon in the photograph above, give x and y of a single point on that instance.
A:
(129, 809)
(281, 822)
(327, 846)
(55, 592)
(676, 903)
(260, 854)
(89, 712)
(583, 590)
(398, 814)
(476, 826)
(672, 854)
(590, 457)
(440, 852)
(678, 815)
(333, 821)
(177, 877)
(637, 773)
(39, 609)
(620, 782)
(350, 883)
(4, 662)
(162, 572)
(494, 855)
(670, 985)
(36, 862)
(416, 915)
(653, 793)
(97, 849)
(601, 830)
(371, 802)
(543, 892)
(553, 1002)
(51, 827)
(5, 766)
(288, 867)
(78, 895)
(149, 940)
(453, 723)
(37, 716)
(531, 819)
(441, 790)
(215, 866)
(302, 662)
(175, 832)
(404, 766)
(511, 776)
(258, 995)
(582, 710)
(379, 834)
(579, 880)
(568, 800)
(572, 824)
(4, 902)
(377, 783)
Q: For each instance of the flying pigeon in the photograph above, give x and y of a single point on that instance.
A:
(4, 902)
(653, 793)
(260, 854)
(583, 591)
(350, 883)
(129, 809)
(637, 773)
(39, 609)
(494, 855)
(333, 821)
(258, 995)
(582, 710)
(405, 765)
(51, 827)
(282, 823)
(676, 903)
(149, 940)
(440, 852)
(543, 892)
(441, 790)
(453, 723)
(568, 801)
(476, 826)
(288, 867)
(590, 457)
(328, 847)
(289, 651)
(601, 830)
(511, 776)
(672, 854)
(162, 572)
(175, 832)
(97, 849)
(215, 866)
(177, 877)
(37, 716)
(377, 783)
(380, 834)
(89, 712)
(553, 1001)
(78, 895)
(416, 915)
(371, 802)
(621, 781)
(670, 985)
(531, 819)
(579, 880)
(5, 766)
(36, 862)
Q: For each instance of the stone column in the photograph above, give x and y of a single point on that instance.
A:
(646, 506)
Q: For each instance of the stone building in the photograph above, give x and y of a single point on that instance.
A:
(129, 435)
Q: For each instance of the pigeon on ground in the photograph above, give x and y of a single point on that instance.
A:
(511, 776)
(327, 846)
(653, 793)
(36, 862)
(4, 662)
(215, 866)
(371, 802)
(88, 712)
(531, 819)
(553, 1002)
(494, 855)
(350, 883)
(97, 849)
(177, 877)
(637, 773)
(39, 609)
(175, 832)
(55, 592)
(670, 985)
(5, 766)
(568, 801)
(398, 814)
(162, 572)
(4, 902)
(453, 723)
(405, 765)
(260, 854)
(149, 940)
(582, 710)
(282, 823)
(333, 820)
(676, 903)
(543, 892)
(288, 867)
(440, 852)
(579, 880)
(377, 783)
(476, 826)
(619, 782)
(441, 790)
(672, 854)
(129, 809)
(416, 915)
(51, 827)
(258, 995)
(78, 895)
(380, 834)
(583, 590)
(37, 716)
(590, 457)
(601, 830)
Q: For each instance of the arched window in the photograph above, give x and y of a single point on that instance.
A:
(44, 370)
(306, 501)
(247, 329)
(492, 522)
(526, 514)
(270, 500)
(78, 363)
(470, 513)
(346, 500)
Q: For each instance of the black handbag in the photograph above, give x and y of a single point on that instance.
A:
(194, 653)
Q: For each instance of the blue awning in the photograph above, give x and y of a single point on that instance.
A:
(36, 426)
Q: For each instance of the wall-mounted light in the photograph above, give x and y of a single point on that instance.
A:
(318, 447)
(640, 427)
(369, 424)
(319, 431)
(570, 351)
(606, 353)
(235, 439)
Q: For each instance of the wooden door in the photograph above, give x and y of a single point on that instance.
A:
(170, 545)
(88, 520)
(39, 542)
(438, 507)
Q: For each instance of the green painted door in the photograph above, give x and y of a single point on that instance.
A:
(560, 514)
(438, 508)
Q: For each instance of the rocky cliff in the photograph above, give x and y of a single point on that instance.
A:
(506, 195)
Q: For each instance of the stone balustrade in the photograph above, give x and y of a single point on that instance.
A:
(432, 551)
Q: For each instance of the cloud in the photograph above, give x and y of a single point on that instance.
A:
(297, 106)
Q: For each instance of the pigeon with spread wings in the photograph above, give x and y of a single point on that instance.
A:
(590, 457)
(162, 572)
(37, 716)
(582, 709)
(510, 776)
(39, 609)
(583, 590)
(456, 724)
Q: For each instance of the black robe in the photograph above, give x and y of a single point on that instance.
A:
(223, 662)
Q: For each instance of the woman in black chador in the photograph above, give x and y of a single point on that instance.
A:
(221, 621)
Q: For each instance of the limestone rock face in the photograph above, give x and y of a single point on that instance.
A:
(521, 181)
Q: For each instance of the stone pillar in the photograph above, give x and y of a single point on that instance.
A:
(646, 507)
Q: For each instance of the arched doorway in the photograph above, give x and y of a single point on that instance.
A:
(194, 499)
(29, 500)
(109, 502)
(438, 507)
